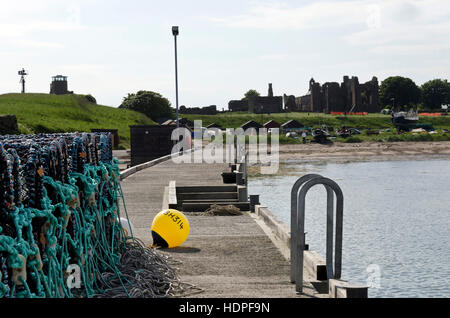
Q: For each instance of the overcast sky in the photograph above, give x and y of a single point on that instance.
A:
(109, 48)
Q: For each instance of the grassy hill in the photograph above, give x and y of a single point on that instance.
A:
(44, 113)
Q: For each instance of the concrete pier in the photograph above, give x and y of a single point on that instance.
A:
(225, 256)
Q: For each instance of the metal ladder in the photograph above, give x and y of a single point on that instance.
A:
(298, 196)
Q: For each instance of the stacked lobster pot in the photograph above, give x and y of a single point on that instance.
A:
(59, 215)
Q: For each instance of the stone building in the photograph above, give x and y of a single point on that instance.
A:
(289, 102)
(258, 104)
(238, 105)
(59, 85)
(349, 96)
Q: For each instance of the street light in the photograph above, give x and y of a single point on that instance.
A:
(175, 33)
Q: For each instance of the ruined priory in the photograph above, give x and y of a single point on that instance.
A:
(348, 96)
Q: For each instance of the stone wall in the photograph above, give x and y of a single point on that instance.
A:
(349, 96)
(333, 99)
(303, 104)
(316, 96)
(259, 104)
(208, 110)
(370, 96)
(238, 105)
(265, 105)
(289, 103)
(59, 88)
(8, 124)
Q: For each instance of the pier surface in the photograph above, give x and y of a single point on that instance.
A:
(225, 256)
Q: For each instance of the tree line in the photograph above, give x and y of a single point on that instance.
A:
(402, 92)
(395, 92)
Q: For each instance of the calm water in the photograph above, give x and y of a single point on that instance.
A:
(396, 221)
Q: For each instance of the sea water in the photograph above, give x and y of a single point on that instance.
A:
(396, 221)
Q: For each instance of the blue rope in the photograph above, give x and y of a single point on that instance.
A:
(59, 207)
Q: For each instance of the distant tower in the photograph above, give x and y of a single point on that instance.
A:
(270, 90)
(311, 83)
(22, 74)
(59, 85)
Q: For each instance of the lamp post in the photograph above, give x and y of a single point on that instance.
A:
(175, 34)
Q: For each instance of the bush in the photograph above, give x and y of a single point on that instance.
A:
(251, 93)
(289, 140)
(395, 138)
(444, 137)
(91, 99)
(152, 104)
(419, 137)
(353, 139)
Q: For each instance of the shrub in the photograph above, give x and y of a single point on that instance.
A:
(419, 137)
(251, 93)
(394, 138)
(91, 99)
(353, 139)
(152, 104)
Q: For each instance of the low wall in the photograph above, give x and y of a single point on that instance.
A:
(130, 171)
(8, 124)
(279, 228)
(314, 264)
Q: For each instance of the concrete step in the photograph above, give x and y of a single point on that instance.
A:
(203, 206)
(230, 201)
(203, 189)
(213, 196)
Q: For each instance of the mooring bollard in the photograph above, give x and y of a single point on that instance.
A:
(242, 193)
(254, 200)
(239, 178)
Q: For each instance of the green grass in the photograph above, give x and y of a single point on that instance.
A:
(44, 113)
(375, 121)
(234, 120)
(416, 137)
(314, 120)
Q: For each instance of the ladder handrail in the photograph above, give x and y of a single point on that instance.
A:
(294, 210)
(298, 227)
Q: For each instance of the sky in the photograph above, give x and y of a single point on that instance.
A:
(109, 48)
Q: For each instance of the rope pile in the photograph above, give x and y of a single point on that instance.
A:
(222, 210)
(59, 207)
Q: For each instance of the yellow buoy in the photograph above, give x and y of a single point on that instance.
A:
(170, 229)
